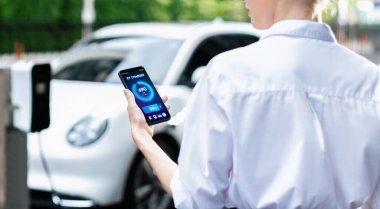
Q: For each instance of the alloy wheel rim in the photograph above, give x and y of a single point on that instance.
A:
(148, 191)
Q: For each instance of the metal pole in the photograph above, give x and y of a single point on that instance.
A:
(17, 195)
(13, 155)
(88, 16)
(2, 138)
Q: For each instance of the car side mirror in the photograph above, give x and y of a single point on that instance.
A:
(197, 74)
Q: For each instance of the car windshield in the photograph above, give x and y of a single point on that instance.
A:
(154, 54)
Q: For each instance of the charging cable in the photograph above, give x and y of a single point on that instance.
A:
(55, 197)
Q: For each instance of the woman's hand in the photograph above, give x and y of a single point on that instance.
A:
(140, 129)
(142, 134)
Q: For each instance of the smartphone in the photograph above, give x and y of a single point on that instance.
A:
(147, 98)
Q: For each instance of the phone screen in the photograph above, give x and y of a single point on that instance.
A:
(147, 97)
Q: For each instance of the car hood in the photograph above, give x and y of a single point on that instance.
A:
(72, 100)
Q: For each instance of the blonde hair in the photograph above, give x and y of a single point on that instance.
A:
(320, 4)
(317, 5)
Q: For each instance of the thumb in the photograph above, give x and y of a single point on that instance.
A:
(130, 98)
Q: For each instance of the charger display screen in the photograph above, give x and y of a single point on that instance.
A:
(147, 98)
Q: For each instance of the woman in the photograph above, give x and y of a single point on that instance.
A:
(289, 122)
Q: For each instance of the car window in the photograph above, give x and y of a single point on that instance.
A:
(211, 47)
(88, 70)
(102, 61)
(155, 55)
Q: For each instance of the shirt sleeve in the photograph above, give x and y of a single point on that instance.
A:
(205, 158)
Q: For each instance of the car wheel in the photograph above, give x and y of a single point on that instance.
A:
(144, 191)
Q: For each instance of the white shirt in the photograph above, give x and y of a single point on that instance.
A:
(289, 122)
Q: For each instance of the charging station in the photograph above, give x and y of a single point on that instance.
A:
(24, 108)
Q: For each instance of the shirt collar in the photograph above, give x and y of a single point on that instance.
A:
(301, 28)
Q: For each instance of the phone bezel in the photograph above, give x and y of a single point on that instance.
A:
(142, 69)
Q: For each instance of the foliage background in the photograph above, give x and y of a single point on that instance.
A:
(51, 25)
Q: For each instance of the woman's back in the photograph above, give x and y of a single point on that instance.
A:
(304, 128)
(290, 122)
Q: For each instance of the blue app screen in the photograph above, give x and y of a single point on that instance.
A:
(147, 98)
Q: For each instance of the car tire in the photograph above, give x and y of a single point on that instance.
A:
(143, 189)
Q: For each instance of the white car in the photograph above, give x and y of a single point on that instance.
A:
(87, 157)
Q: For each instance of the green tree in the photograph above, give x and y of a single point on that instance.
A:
(55, 24)
(39, 11)
(209, 9)
(168, 10)
(330, 13)
(131, 10)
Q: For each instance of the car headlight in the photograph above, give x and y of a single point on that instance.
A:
(87, 131)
